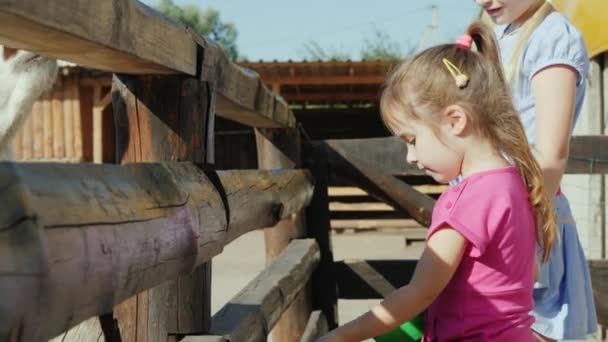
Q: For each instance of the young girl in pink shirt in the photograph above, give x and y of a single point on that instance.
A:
(452, 107)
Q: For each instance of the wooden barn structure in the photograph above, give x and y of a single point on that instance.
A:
(122, 247)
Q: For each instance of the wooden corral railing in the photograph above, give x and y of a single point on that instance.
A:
(132, 243)
(375, 164)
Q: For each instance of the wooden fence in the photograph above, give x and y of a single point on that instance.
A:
(132, 243)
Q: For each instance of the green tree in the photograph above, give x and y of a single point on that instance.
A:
(381, 47)
(205, 22)
(313, 51)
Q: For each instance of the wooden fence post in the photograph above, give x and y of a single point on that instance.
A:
(270, 156)
(164, 118)
(324, 288)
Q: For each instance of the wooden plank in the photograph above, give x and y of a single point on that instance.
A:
(97, 126)
(77, 120)
(372, 279)
(68, 125)
(88, 331)
(337, 192)
(276, 239)
(117, 36)
(588, 154)
(58, 134)
(374, 180)
(22, 255)
(322, 95)
(368, 215)
(401, 224)
(599, 279)
(315, 328)
(365, 206)
(15, 145)
(47, 126)
(387, 153)
(137, 226)
(242, 96)
(323, 282)
(300, 80)
(28, 136)
(38, 129)
(172, 127)
(250, 314)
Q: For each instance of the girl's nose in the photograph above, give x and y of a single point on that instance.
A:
(483, 3)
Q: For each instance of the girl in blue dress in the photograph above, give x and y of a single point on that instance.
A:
(546, 63)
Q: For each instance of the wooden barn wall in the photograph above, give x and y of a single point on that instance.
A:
(60, 125)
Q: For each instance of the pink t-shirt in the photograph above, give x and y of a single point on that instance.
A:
(489, 297)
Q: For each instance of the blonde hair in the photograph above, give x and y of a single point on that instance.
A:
(513, 65)
(420, 87)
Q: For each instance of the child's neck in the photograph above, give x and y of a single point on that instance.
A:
(480, 157)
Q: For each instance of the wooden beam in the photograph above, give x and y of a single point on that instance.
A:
(326, 79)
(599, 280)
(347, 164)
(276, 239)
(97, 126)
(323, 95)
(254, 310)
(315, 328)
(135, 226)
(242, 96)
(172, 127)
(385, 153)
(129, 37)
(323, 282)
(372, 279)
(92, 81)
(117, 36)
(588, 154)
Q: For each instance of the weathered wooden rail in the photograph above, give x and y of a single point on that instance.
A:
(133, 243)
(99, 234)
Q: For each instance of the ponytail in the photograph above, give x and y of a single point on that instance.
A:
(485, 43)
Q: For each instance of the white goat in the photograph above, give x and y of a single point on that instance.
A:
(23, 78)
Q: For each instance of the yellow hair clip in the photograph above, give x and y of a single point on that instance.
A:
(462, 80)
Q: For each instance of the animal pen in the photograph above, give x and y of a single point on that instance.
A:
(132, 242)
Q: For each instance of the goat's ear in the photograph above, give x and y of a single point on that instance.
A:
(8, 52)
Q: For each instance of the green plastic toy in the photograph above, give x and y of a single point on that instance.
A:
(410, 331)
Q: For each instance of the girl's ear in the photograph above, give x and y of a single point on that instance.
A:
(455, 120)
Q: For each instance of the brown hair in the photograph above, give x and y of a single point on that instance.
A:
(421, 86)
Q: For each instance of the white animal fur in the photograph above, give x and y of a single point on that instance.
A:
(23, 78)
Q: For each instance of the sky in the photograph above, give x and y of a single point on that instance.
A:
(280, 29)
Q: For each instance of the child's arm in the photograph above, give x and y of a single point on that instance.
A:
(554, 91)
(435, 268)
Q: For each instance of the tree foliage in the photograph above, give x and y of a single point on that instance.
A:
(380, 47)
(205, 22)
(313, 51)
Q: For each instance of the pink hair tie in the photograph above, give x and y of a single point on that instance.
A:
(465, 41)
